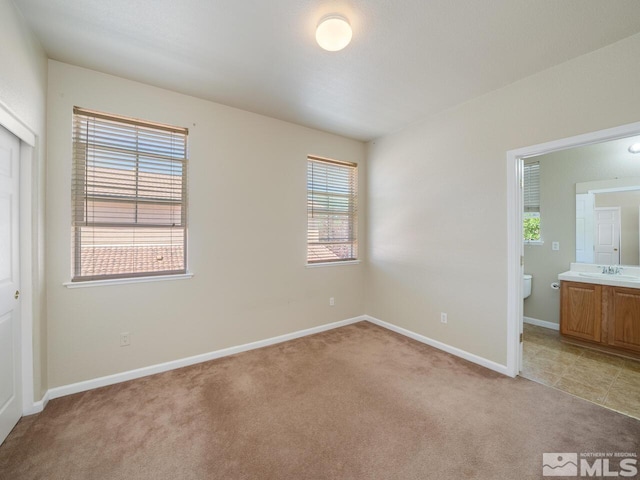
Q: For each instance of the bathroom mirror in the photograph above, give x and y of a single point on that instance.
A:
(607, 222)
(607, 202)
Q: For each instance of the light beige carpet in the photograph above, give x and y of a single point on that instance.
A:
(358, 402)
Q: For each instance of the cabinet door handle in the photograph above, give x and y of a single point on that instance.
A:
(17, 294)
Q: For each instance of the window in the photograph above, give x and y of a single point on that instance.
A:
(332, 224)
(531, 185)
(129, 202)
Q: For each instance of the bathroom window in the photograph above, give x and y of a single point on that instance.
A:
(531, 216)
(129, 197)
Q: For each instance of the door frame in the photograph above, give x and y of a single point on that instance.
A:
(28, 241)
(515, 243)
(588, 232)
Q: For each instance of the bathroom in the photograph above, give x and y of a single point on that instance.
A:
(612, 171)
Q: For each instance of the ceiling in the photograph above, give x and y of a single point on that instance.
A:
(408, 59)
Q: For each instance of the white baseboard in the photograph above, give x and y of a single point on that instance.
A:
(441, 346)
(64, 390)
(83, 386)
(541, 323)
(38, 406)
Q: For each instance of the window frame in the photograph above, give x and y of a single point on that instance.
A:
(352, 214)
(80, 198)
(531, 197)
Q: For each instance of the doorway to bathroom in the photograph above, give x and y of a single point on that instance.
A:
(559, 246)
(565, 172)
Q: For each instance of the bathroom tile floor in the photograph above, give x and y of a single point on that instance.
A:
(607, 380)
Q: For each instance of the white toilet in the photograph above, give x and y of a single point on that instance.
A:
(526, 285)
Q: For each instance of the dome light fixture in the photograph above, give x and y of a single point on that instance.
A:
(635, 148)
(333, 32)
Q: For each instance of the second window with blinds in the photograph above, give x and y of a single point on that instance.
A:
(531, 216)
(332, 211)
(129, 197)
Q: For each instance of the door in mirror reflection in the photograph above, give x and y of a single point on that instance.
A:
(607, 239)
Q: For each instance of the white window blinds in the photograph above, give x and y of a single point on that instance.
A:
(531, 183)
(128, 197)
(332, 194)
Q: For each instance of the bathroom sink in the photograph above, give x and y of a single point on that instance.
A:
(610, 276)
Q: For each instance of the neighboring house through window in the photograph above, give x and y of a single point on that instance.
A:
(531, 185)
(332, 214)
(129, 197)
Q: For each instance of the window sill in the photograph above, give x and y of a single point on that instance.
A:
(534, 243)
(332, 264)
(124, 281)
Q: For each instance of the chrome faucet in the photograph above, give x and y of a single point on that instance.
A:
(612, 269)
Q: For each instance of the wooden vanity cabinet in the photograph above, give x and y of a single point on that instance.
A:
(623, 315)
(602, 314)
(581, 310)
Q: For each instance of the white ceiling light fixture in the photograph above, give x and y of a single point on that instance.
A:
(635, 148)
(333, 32)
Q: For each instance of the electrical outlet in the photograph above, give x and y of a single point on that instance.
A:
(443, 317)
(125, 339)
(332, 301)
(555, 246)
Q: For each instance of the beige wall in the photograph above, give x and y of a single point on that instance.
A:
(438, 203)
(23, 87)
(247, 236)
(559, 173)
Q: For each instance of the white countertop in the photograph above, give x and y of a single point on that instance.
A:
(587, 273)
